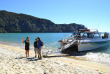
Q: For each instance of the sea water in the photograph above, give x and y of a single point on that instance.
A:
(51, 43)
(50, 40)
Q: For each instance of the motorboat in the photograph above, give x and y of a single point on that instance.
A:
(85, 39)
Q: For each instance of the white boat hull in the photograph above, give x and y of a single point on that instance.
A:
(84, 46)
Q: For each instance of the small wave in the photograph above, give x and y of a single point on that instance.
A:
(98, 57)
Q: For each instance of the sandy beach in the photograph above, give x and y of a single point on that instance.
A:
(13, 61)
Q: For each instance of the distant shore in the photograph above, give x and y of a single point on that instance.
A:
(12, 60)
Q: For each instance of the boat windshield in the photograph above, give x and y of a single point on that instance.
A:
(90, 35)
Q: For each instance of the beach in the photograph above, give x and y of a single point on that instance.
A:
(13, 61)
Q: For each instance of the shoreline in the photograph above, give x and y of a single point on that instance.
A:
(68, 64)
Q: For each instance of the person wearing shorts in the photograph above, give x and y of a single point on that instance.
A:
(27, 44)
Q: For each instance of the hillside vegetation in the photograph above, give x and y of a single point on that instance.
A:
(21, 23)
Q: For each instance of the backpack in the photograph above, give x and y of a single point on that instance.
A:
(42, 43)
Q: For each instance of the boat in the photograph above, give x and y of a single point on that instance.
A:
(85, 39)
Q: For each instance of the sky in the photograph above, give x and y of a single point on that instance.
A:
(94, 14)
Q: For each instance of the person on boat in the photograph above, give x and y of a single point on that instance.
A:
(39, 46)
(105, 35)
(35, 47)
(27, 43)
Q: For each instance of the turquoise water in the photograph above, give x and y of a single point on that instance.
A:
(50, 40)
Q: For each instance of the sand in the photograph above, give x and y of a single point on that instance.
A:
(13, 61)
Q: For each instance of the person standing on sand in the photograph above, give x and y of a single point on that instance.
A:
(35, 47)
(27, 43)
(39, 45)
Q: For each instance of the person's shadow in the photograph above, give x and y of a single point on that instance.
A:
(32, 59)
(29, 59)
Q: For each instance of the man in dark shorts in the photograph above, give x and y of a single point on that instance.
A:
(27, 43)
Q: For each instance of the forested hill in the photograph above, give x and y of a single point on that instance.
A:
(21, 23)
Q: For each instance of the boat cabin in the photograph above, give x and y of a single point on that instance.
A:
(87, 33)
